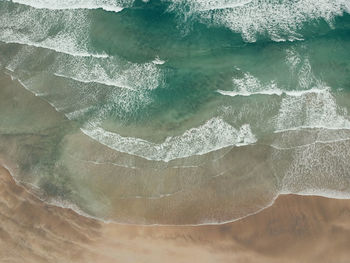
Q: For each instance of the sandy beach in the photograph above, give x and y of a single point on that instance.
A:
(294, 229)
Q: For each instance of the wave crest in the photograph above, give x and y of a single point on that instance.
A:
(213, 135)
(279, 20)
(107, 5)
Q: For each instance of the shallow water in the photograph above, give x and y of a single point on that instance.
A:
(175, 112)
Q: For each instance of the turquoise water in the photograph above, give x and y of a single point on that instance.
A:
(175, 112)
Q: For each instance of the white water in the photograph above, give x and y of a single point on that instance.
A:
(213, 135)
(36, 27)
(279, 20)
(107, 5)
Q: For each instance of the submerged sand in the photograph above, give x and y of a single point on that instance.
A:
(294, 229)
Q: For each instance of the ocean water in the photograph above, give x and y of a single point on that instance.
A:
(175, 112)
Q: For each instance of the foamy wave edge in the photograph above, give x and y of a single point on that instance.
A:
(173, 147)
(49, 6)
(38, 45)
(278, 92)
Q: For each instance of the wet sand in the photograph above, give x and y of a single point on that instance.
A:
(294, 229)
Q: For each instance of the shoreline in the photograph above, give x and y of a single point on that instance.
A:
(76, 209)
(294, 229)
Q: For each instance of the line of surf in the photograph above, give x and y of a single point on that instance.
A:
(270, 92)
(56, 49)
(106, 83)
(309, 144)
(64, 5)
(213, 135)
(209, 6)
(305, 127)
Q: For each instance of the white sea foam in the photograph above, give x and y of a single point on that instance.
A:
(112, 72)
(124, 88)
(158, 61)
(319, 169)
(310, 105)
(246, 93)
(35, 27)
(318, 166)
(128, 85)
(106, 82)
(316, 110)
(107, 5)
(250, 85)
(280, 20)
(309, 109)
(322, 192)
(205, 5)
(77, 113)
(213, 135)
(279, 92)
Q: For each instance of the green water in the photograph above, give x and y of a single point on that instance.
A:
(175, 112)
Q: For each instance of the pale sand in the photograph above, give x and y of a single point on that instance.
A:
(293, 229)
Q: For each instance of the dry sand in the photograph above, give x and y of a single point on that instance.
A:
(294, 229)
